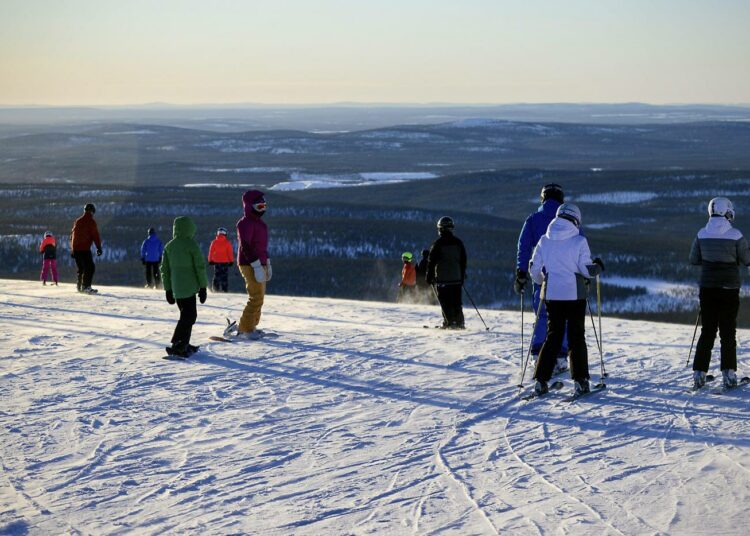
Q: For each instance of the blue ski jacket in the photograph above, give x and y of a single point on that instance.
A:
(533, 229)
(152, 249)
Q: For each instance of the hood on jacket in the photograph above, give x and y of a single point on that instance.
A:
(184, 227)
(561, 229)
(248, 199)
(718, 225)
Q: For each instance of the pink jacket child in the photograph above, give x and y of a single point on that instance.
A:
(48, 249)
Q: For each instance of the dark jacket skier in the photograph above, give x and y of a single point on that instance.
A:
(85, 233)
(535, 226)
(446, 269)
(719, 249)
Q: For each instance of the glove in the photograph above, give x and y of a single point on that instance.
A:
(98, 252)
(202, 295)
(599, 262)
(211, 263)
(170, 298)
(143, 261)
(520, 283)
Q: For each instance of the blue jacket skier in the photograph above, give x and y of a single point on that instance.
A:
(151, 252)
(534, 228)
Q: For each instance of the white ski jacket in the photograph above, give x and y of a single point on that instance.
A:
(562, 261)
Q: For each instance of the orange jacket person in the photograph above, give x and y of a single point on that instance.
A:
(221, 256)
(408, 285)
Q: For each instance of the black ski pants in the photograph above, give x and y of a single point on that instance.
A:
(153, 277)
(560, 312)
(86, 268)
(719, 307)
(221, 278)
(449, 297)
(188, 316)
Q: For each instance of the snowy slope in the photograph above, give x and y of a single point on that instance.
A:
(355, 420)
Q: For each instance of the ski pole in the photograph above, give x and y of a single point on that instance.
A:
(695, 331)
(523, 293)
(602, 373)
(475, 307)
(599, 314)
(533, 329)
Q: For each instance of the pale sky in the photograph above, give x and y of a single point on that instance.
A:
(99, 52)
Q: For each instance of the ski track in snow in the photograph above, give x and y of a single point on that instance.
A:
(355, 420)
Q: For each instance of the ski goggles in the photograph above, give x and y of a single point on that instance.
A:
(261, 206)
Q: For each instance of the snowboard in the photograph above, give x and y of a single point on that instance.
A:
(264, 335)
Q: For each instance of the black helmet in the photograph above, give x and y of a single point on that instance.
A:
(89, 208)
(445, 224)
(151, 231)
(552, 191)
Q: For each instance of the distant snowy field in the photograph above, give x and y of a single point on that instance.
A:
(355, 420)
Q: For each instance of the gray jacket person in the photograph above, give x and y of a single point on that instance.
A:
(719, 249)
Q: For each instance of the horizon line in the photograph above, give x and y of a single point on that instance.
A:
(365, 104)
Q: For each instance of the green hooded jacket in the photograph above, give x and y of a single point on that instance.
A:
(183, 270)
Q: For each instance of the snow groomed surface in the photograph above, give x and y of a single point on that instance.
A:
(354, 420)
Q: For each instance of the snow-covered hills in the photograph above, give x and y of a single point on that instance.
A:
(355, 420)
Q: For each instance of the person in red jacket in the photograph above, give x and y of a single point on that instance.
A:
(253, 261)
(84, 234)
(221, 257)
(48, 249)
(407, 289)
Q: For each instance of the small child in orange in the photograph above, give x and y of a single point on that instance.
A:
(48, 249)
(407, 290)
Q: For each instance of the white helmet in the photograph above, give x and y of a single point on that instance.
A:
(571, 212)
(721, 206)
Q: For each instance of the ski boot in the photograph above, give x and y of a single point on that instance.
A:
(254, 335)
(192, 349)
(180, 349)
(540, 387)
(699, 379)
(729, 378)
(582, 387)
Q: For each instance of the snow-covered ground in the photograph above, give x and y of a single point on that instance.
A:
(355, 420)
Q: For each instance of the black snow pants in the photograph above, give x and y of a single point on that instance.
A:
(719, 307)
(558, 313)
(449, 297)
(188, 316)
(221, 278)
(86, 268)
(153, 277)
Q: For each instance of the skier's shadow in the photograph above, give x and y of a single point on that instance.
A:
(383, 389)
(380, 357)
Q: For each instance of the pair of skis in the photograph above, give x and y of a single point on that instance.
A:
(557, 385)
(710, 377)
